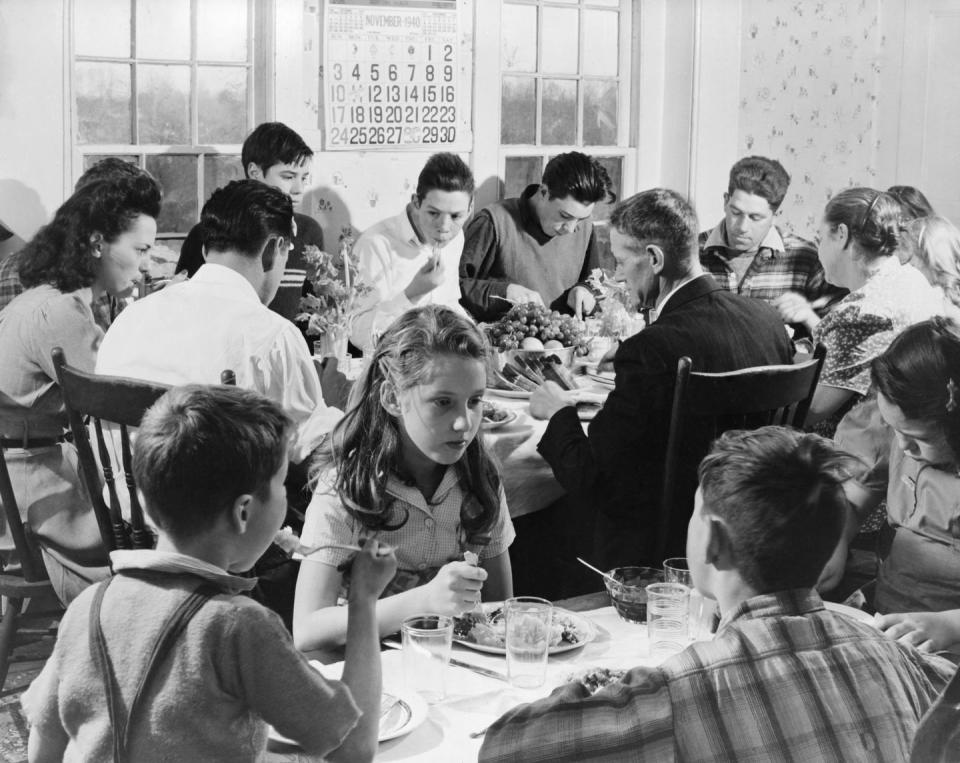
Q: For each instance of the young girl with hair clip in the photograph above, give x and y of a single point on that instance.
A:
(918, 397)
(405, 466)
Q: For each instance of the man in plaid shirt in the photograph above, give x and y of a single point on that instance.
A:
(747, 254)
(783, 678)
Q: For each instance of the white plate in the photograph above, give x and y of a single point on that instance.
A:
(856, 614)
(511, 417)
(509, 393)
(409, 711)
(583, 625)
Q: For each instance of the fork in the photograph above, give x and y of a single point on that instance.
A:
(306, 551)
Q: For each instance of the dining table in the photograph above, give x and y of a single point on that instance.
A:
(451, 730)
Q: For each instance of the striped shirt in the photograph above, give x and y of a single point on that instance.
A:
(782, 264)
(783, 679)
(10, 286)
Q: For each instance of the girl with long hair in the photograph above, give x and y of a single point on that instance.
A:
(405, 466)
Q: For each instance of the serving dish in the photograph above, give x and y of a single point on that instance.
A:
(570, 624)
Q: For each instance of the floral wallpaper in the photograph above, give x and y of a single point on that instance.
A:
(809, 96)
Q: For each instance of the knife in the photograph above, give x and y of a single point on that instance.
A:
(458, 663)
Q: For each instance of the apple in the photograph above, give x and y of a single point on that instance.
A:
(531, 343)
(552, 344)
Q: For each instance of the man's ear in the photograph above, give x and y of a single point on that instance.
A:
(719, 548)
(657, 257)
(239, 514)
(726, 197)
(254, 172)
(268, 255)
(415, 200)
(389, 399)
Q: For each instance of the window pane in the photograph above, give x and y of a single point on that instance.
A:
(518, 110)
(518, 44)
(607, 3)
(561, 40)
(559, 112)
(90, 159)
(218, 170)
(614, 167)
(163, 29)
(102, 28)
(520, 172)
(103, 102)
(222, 30)
(177, 175)
(599, 112)
(222, 104)
(163, 104)
(601, 39)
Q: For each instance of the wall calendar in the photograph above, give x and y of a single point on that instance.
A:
(394, 76)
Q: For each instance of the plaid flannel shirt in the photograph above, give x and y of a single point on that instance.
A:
(782, 264)
(10, 286)
(783, 679)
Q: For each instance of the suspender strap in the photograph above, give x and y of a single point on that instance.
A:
(121, 722)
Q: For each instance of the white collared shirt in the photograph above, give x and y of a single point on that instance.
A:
(389, 255)
(173, 562)
(190, 332)
(655, 312)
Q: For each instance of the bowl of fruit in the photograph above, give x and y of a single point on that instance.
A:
(532, 330)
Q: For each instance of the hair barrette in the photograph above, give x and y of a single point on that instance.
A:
(951, 396)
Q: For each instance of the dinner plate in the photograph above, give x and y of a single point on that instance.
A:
(511, 417)
(856, 614)
(407, 711)
(583, 626)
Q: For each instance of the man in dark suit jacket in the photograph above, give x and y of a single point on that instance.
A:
(617, 470)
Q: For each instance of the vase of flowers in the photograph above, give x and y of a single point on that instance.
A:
(336, 290)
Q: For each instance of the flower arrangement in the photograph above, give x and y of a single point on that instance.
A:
(336, 285)
(618, 309)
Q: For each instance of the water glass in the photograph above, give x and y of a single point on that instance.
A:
(427, 641)
(668, 617)
(529, 623)
(677, 570)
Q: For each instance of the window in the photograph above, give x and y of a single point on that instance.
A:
(564, 85)
(168, 85)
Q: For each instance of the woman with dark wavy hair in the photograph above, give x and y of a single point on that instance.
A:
(93, 247)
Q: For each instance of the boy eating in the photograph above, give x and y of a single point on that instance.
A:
(165, 660)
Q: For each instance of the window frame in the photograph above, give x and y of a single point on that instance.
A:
(259, 68)
(490, 155)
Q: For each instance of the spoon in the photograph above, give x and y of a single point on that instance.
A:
(599, 572)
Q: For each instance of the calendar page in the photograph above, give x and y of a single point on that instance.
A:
(393, 77)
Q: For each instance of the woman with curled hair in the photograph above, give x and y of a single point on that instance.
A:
(93, 247)
(860, 238)
(406, 466)
(918, 395)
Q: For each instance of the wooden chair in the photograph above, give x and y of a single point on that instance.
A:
(30, 582)
(709, 404)
(108, 400)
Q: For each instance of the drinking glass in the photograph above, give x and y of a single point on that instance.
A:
(427, 641)
(667, 618)
(529, 622)
(677, 570)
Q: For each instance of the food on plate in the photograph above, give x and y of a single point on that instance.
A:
(595, 679)
(530, 320)
(472, 628)
(494, 414)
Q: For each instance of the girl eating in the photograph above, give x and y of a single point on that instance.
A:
(918, 395)
(405, 466)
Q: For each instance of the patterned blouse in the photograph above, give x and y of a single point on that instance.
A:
(866, 321)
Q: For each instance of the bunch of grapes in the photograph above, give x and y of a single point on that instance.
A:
(549, 328)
